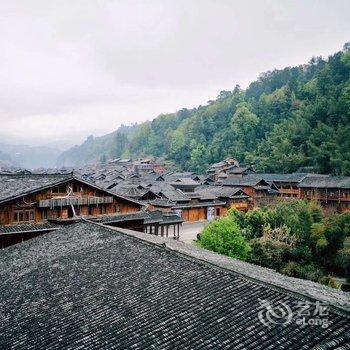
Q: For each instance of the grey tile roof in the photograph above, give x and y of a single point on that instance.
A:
(89, 287)
(7, 229)
(12, 186)
(238, 170)
(138, 215)
(147, 216)
(166, 218)
(169, 192)
(161, 202)
(177, 175)
(185, 181)
(246, 180)
(326, 182)
(291, 177)
(221, 191)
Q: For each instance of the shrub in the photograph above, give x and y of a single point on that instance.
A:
(316, 212)
(224, 236)
(330, 282)
(254, 222)
(291, 236)
(280, 235)
(308, 271)
(265, 253)
(342, 262)
(302, 254)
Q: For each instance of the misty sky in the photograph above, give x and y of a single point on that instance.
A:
(73, 68)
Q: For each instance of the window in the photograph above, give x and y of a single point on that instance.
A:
(117, 208)
(59, 189)
(217, 211)
(53, 214)
(24, 215)
(44, 214)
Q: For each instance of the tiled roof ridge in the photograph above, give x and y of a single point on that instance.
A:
(302, 289)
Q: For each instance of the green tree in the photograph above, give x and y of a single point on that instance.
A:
(224, 236)
(244, 125)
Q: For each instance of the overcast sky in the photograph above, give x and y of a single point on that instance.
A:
(69, 69)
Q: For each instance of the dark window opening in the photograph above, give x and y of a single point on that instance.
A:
(23, 215)
(59, 189)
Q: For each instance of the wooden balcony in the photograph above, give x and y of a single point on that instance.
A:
(324, 197)
(61, 202)
(290, 191)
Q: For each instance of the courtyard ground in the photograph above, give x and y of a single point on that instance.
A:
(189, 230)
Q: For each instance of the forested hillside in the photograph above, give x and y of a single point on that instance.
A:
(287, 119)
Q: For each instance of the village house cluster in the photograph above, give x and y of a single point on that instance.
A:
(142, 195)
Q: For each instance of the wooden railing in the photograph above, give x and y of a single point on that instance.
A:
(61, 202)
(324, 197)
(289, 190)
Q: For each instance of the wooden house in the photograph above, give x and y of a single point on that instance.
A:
(31, 203)
(190, 205)
(254, 186)
(332, 192)
(36, 198)
(234, 198)
(287, 184)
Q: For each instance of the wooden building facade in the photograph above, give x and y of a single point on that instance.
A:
(253, 185)
(332, 193)
(62, 198)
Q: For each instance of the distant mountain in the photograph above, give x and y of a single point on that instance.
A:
(289, 118)
(4, 157)
(95, 149)
(28, 156)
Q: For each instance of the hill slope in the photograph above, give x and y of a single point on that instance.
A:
(28, 156)
(289, 118)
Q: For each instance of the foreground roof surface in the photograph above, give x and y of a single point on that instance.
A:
(90, 287)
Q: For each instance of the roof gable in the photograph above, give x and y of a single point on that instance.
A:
(16, 186)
